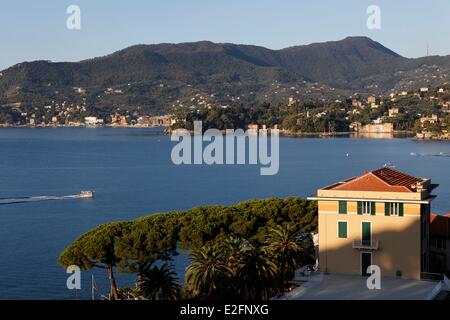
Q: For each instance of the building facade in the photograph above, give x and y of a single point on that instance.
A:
(379, 218)
(440, 243)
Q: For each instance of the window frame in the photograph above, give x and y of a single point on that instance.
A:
(394, 209)
(366, 207)
(346, 229)
(342, 203)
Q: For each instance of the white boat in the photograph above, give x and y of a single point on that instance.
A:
(86, 194)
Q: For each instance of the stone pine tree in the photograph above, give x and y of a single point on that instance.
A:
(148, 240)
(97, 249)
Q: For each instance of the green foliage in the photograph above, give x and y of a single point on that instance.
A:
(289, 252)
(257, 271)
(238, 268)
(159, 281)
(148, 239)
(151, 79)
(95, 248)
(242, 228)
(207, 272)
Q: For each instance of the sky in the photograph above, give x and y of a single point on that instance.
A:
(36, 30)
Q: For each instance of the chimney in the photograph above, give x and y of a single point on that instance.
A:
(419, 186)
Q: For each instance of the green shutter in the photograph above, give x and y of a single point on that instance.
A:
(342, 229)
(372, 208)
(342, 207)
(387, 209)
(359, 207)
(400, 209)
(366, 231)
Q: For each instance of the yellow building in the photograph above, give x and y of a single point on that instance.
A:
(380, 218)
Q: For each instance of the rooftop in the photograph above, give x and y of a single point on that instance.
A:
(353, 287)
(440, 225)
(381, 180)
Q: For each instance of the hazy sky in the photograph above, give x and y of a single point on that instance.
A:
(32, 30)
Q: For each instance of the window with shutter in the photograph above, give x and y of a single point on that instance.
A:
(400, 210)
(342, 207)
(373, 209)
(393, 209)
(342, 229)
(366, 207)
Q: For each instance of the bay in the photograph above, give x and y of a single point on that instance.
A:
(132, 174)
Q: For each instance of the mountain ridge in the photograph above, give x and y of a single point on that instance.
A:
(155, 74)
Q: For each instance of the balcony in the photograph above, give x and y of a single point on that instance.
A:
(365, 244)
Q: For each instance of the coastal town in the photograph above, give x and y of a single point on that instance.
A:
(423, 113)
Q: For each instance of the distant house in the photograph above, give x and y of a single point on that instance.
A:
(355, 126)
(79, 90)
(423, 92)
(446, 106)
(291, 101)
(433, 119)
(356, 103)
(378, 120)
(377, 128)
(424, 135)
(252, 129)
(92, 121)
(371, 100)
(158, 121)
(393, 112)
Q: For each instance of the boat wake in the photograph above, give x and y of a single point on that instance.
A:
(82, 195)
(440, 154)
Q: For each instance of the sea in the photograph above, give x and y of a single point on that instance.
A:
(132, 174)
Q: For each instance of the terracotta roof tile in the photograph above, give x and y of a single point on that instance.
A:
(396, 178)
(380, 180)
(440, 225)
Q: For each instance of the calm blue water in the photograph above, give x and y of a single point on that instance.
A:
(132, 174)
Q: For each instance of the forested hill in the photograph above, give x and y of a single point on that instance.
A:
(164, 75)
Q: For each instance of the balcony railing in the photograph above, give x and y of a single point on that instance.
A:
(365, 244)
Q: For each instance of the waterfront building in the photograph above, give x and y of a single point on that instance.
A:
(379, 218)
(377, 127)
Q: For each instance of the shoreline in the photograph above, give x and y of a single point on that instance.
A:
(283, 133)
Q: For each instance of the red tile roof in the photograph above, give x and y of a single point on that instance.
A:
(381, 180)
(440, 225)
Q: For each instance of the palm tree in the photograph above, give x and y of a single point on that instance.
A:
(257, 272)
(208, 270)
(233, 248)
(157, 281)
(287, 250)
